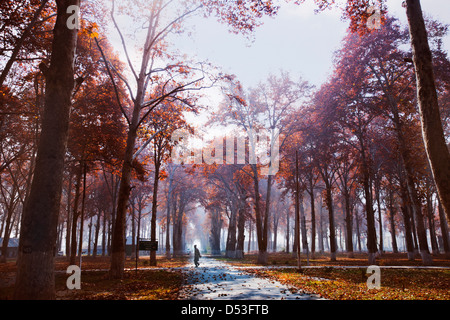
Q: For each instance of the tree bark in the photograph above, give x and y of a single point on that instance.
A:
(349, 225)
(358, 233)
(216, 226)
(96, 233)
(303, 226)
(262, 243)
(154, 210)
(83, 203)
(230, 250)
(321, 245)
(69, 216)
(417, 216)
(407, 223)
(370, 216)
(74, 225)
(431, 227)
(297, 214)
(432, 130)
(104, 234)
(444, 231)
(241, 234)
(390, 204)
(287, 230)
(313, 221)
(380, 217)
(169, 199)
(329, 201)
(118, 235)
(8, 225)
(35, 267)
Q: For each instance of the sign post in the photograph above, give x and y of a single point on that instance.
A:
(148, 245)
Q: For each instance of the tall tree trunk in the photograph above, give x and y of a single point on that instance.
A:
(169, 199)
(432, 130)
(313, 221)
(420, 226)
(154, 211)
(348, 225)
(90, 236)
(118, 234)
(118, 242)
(83, 203)
(265, 232)
(296, 247)
(216, 225)
(417, 216)
(8, 225)
(303, 226)
(250, 235)
(370, 216)
(390, 204)
(108, 233)
(295, 241)
(358, 233)
(35, 267)
(393, 233)
(275, 233)
(430, 216)
(75, 215)
(287, 230)
(241, 234)
(104, 235)
(262, 244)
(329, 201)
(133, 231)
(230, 250)
(380, 217)
(175, 228)
(321, 245)
(407, 223)
(444, 230)
(96, 233)
(69, 216)
(138, 231)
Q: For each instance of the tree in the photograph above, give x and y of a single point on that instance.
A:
(154, 85)
(432, 129)
(19, 14)
(162, 123)
(388, 80)
(35, 278)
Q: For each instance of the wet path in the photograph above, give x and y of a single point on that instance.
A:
(215, 279)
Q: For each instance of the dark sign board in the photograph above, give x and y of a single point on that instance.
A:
(148, 245)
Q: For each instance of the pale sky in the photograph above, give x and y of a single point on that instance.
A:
(296, 40)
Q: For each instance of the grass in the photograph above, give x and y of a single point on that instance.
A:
(161, 282)
(164, 281)
(350, 284)
(359, 259)
(141, 285)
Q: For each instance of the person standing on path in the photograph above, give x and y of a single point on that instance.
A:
(197, 255)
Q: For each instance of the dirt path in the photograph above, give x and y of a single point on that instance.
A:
(215, 279)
